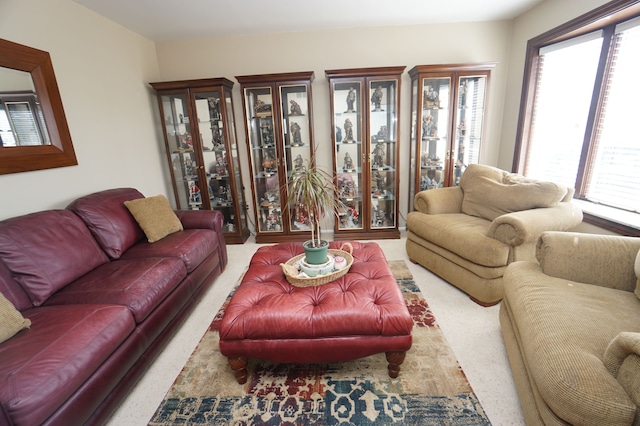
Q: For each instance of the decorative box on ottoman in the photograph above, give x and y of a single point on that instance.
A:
(360, 314)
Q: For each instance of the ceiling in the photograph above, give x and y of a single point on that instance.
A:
(164, 20)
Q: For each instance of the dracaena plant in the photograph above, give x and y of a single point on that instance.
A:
(313, 189)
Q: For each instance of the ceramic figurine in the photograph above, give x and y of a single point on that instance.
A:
(294, 108)
(376, 98)
(348, 162)
(348, 130)
(296, 134)
(351, 100)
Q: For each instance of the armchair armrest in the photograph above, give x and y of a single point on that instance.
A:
(439, 201)
(206, 219)
(525, 226)
(605, 260)
(622, 359)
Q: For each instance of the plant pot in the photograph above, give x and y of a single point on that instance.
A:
(315, 255)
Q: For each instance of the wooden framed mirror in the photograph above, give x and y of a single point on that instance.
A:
(34, 134)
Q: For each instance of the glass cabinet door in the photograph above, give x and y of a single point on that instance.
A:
(434, 129)
(296, 137)
(348, 154)
(472, 91)
(236, 178)
(178, 135)
(383, 128)
(262, 142)
(216, 187)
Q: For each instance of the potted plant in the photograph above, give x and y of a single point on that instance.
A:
(312, 191)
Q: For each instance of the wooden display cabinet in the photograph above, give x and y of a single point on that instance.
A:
(200, 137)
(365, 112)
(448, 104)
(279, 133)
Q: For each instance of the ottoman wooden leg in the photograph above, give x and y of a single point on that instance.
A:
(239, 367)
(395, 359)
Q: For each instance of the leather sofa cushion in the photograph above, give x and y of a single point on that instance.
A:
(139, 284)
(41, 367)
(111, 224)
(563, 343)
(155, 216)
(191, 246)
(460, 234)
(490, 192)
(47, 250)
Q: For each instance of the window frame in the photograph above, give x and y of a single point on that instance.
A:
(605, 18)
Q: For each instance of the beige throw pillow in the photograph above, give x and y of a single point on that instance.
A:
(11, 320)
(155, 216)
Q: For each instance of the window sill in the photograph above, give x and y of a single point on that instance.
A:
(615, 220)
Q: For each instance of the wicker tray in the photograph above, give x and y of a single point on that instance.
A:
(291, 272)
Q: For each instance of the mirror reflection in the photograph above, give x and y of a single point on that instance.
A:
(21, 119)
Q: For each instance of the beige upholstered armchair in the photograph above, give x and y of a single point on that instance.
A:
(469, 234)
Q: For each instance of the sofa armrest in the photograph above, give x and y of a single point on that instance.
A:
(439, 201)
(525, 226)
(206, 219)
(605, 260)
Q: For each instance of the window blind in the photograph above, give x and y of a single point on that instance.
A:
(614, 170)
(566, 78)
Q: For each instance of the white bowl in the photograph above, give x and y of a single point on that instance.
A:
(315, 270)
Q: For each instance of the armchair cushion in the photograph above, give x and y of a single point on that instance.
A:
(460, 234)
(490, 192)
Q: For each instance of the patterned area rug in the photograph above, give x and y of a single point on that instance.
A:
(431, 389)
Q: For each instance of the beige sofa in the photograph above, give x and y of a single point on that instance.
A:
(571, 326)
(470, 233)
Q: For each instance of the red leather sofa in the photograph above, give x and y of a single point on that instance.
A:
(102, 303)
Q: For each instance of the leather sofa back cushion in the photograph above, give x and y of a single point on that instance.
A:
(490, 192)
(108, 219)
(47, 250)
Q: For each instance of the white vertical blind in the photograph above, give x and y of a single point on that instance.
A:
(566, 77)
(614, 177)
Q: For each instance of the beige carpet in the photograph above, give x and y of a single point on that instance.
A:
(431, 388)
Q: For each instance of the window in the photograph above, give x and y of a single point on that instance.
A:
(21, 121)
(578, 118)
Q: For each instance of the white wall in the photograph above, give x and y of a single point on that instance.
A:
(350, 48)
(542, 18)
(102, 70)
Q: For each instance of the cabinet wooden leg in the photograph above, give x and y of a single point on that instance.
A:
(239, 367)
(395, 359)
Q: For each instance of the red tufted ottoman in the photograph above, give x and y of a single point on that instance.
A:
(359, 314)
